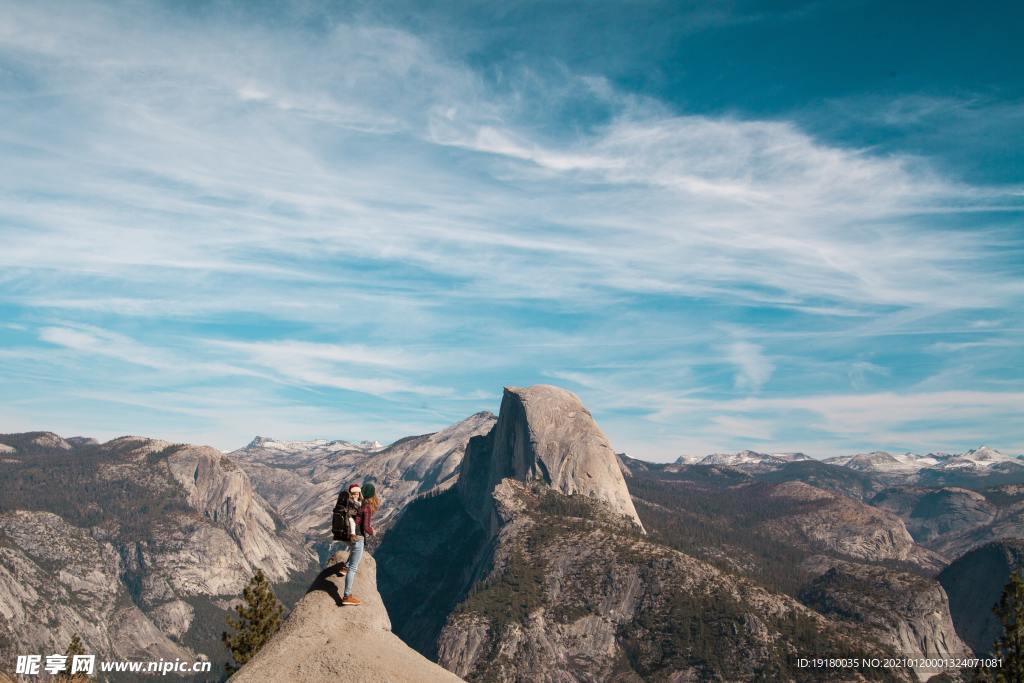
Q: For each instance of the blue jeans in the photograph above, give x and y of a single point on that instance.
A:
(355, 555)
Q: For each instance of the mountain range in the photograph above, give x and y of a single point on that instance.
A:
(982, 461)
(511, 547)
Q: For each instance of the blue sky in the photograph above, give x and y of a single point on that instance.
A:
(782, 226)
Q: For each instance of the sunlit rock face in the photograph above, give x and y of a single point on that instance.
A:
(545, 434)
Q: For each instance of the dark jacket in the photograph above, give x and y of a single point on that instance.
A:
(364, 520)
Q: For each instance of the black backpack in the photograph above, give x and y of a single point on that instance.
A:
(343, 519)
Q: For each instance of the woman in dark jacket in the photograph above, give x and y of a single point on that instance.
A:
(367, 510)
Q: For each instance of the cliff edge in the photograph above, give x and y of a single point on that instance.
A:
(544, 433)
(323, 641)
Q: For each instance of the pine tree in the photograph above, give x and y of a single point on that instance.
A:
(1010, 647)
(75, 648)
(254, 622)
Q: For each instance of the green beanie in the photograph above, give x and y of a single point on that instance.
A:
(368, 491)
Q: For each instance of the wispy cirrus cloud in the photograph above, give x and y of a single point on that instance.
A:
(759, 210)
(94, 341)
(353, 368)
(753, 368)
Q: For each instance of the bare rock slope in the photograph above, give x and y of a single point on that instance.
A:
(323, 641)
(825, 521)
(544, 433)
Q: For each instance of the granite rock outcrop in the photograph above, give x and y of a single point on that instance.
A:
(322, 641)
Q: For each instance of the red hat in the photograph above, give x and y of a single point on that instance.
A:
(354, 487)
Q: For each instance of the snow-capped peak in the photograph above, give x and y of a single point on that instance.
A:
(792, 457)
(746, 457)
(881, 461)
(259, 441)
(323, 445)
(985, 454)
(980, 458)
(884, 461)
(909, 458)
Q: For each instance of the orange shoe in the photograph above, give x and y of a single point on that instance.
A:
(351, 600)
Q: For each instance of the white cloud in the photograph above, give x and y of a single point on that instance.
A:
(753, 368)
(95, 341)
(861, 370)
(729, 428)
(272, 352)
(951, 347)
(333, 365)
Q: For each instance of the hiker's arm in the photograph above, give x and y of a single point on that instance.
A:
(367, 521)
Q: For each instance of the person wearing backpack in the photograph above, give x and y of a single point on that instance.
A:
(351, 523)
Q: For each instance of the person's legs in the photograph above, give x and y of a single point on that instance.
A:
(354, 557)
(335, 549)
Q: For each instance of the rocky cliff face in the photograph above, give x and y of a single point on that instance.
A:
(126, 542)
(302, 479)
(322, 642)
(544, 433)
(822, 520)
(974, 583)
(216, 540)
(56, 580)
(907, 612)
(220, 491)
(934, 513)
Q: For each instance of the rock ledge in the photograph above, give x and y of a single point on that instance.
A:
(322, 641)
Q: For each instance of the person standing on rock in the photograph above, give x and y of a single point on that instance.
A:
(351, 523)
